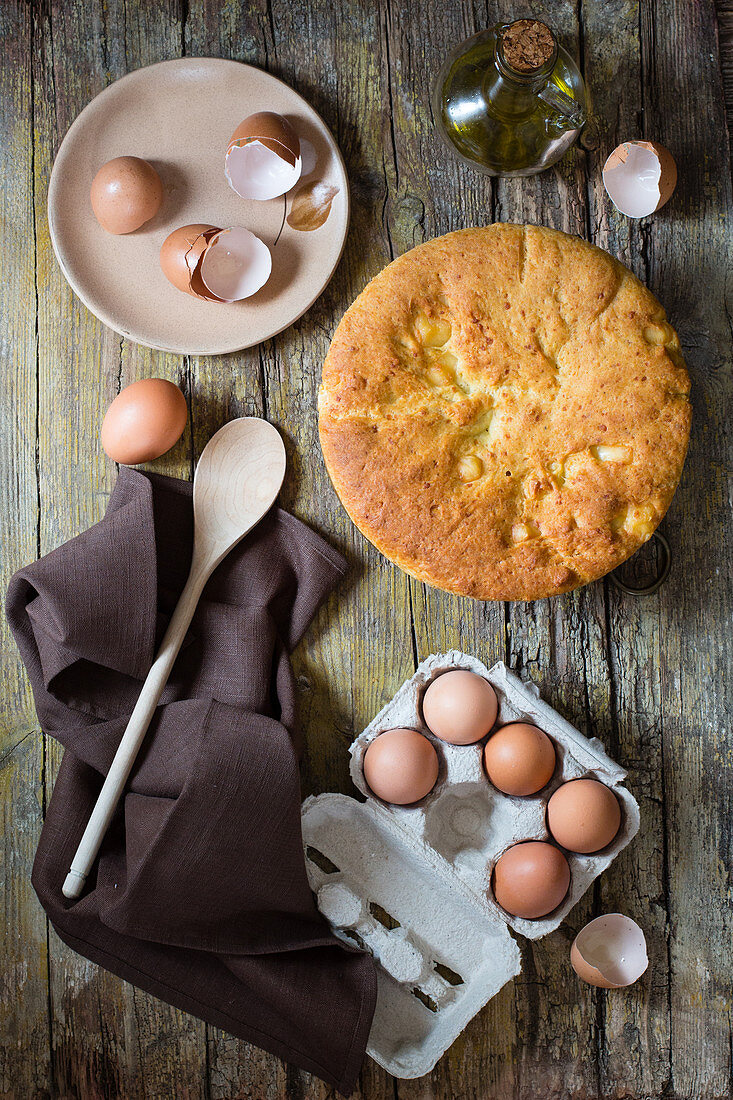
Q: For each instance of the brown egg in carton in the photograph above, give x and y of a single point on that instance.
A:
(427, 868)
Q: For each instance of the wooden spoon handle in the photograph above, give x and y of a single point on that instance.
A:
(135, 731)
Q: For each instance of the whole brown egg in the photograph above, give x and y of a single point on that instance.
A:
(531, 879)
(126, 192)
(583, 815)
(401, 766)
(519, 759)
(459, 707)
(144, 421)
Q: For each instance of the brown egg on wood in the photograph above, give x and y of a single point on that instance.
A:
(263, 158)
(125, 194)
(144, 421)
(531, 879)
(401, 766)
(213, 264)
(583, 815)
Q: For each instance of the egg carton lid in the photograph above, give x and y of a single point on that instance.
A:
(440, 960)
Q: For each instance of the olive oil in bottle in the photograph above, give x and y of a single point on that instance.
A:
(510, 101)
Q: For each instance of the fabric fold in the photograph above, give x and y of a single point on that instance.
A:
(200, 893)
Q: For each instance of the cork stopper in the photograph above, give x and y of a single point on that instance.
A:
(527, 45)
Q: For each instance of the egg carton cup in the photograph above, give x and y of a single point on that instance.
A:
(412, 884)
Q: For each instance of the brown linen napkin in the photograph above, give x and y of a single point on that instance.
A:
(200, 894)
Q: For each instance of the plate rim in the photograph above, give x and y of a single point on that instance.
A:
(100, 313)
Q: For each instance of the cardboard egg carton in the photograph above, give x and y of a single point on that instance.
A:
(412, 884)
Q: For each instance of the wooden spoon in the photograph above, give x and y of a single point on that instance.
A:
(237, 479)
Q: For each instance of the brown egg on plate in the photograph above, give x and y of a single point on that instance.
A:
(125, 194)
(401, 766)
(215, 265)
(459, 707)
(519, 759)
(583, 815)
(144, 421)
(531, 879)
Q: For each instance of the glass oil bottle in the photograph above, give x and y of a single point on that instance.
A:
(510, 101)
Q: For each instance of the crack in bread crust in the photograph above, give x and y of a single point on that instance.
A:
(504, 412)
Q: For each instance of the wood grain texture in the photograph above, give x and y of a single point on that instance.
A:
(25, 1053)
(724, 11)
(647, 676)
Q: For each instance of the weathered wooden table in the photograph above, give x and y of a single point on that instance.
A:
(648, 676)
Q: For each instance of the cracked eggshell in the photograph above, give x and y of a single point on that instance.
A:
(181, 252)
(610, 952)
(216, 265)
(263, 158)
(639, 177)
(234, 265)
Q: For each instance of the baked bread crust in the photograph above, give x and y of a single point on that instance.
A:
(504, 412)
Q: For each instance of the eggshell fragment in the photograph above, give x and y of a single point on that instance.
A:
(460, 707)
(263, 157)
(610, 952)
(216, 265)
(401, 766)
(639, 177)
(144, 421)
(125, 193)
(311, 206)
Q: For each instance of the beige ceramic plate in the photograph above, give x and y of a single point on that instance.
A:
(179, 115)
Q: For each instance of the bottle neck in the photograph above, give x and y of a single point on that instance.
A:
(510, 93)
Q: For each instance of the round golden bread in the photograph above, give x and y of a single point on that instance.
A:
(504, 412)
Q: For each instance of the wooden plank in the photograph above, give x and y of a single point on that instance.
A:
(689, 258)
(25, 1052)
(724, 10)
(559, 644)
(425, 183)
(108, 1039)
(635, 1026)
(222, 387)
(289, 368)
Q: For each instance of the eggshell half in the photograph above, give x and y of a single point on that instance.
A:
(215, 265)
(639, 177)
(181, 252)
(263, 157)
(235, 264)
(610, 952)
